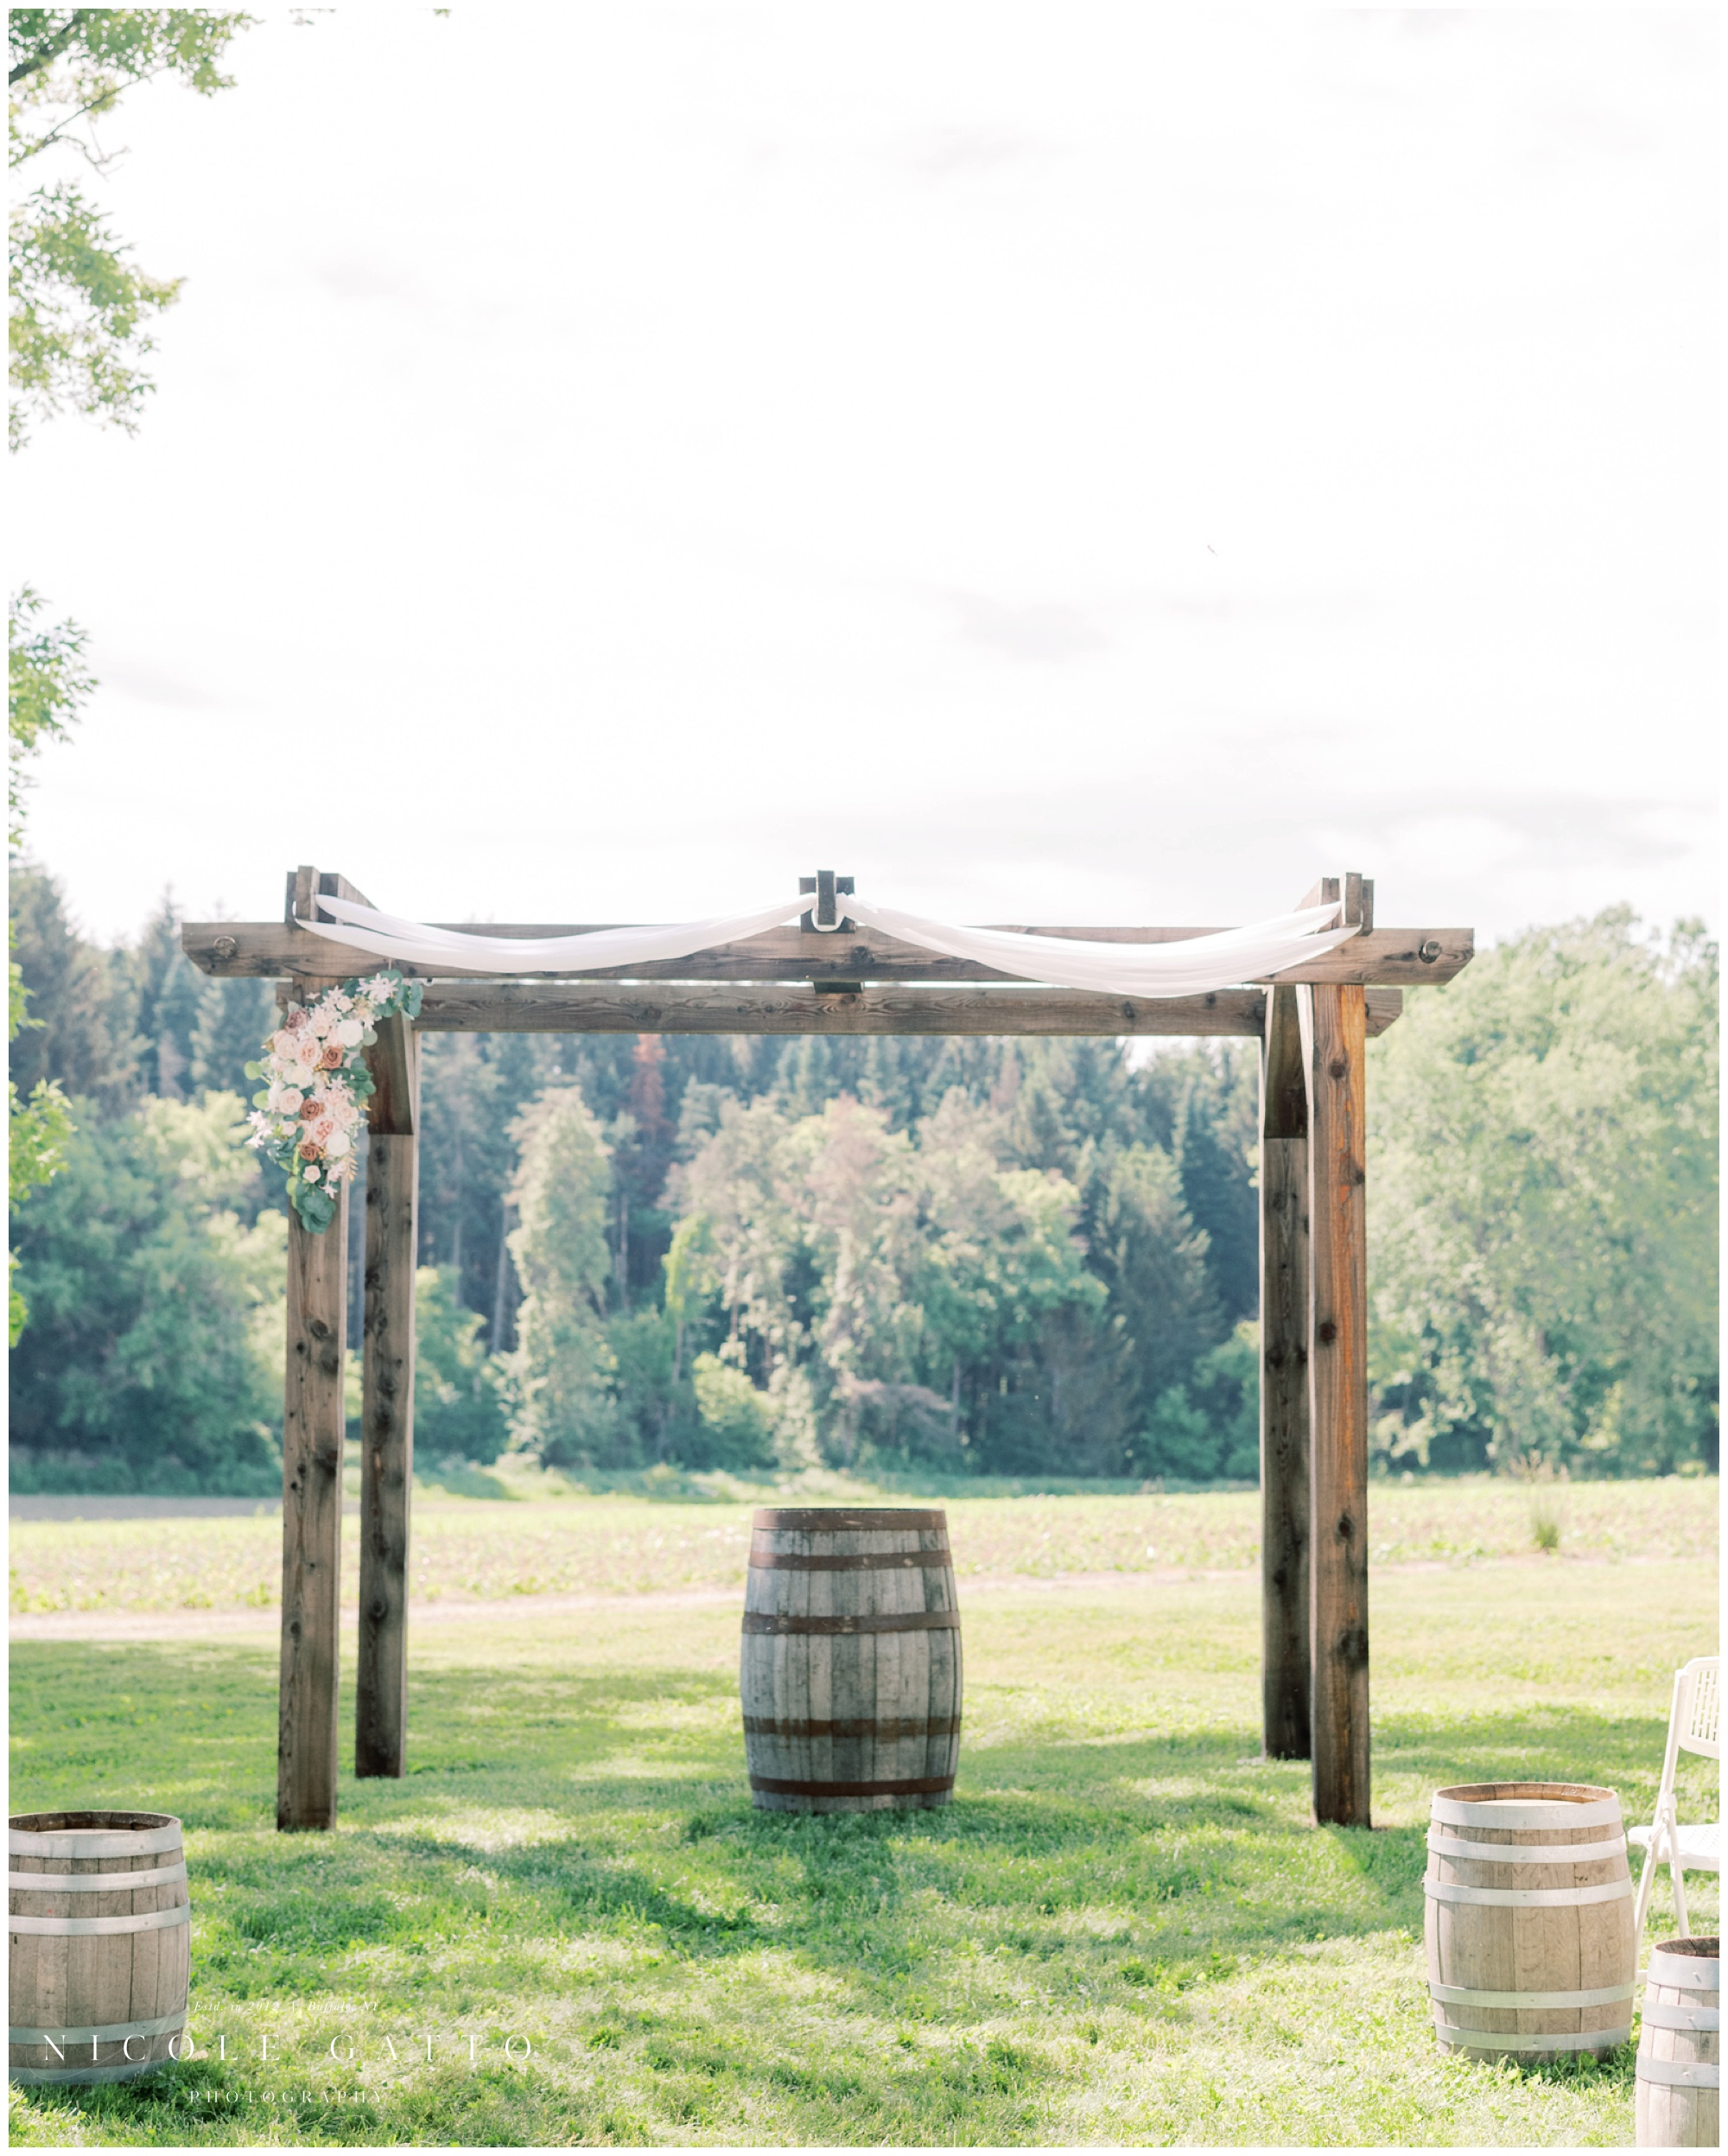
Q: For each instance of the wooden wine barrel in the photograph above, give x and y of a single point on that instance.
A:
(850, 1663)
(1679, 2050)
(1529, 1922)
(99, 1944)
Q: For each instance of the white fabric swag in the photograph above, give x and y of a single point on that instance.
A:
(1194, 966)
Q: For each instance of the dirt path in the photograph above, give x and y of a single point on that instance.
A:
(264, 1624)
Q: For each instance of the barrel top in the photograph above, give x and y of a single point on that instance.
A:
(1526, 1793)
(90, 1821)
(78, 1837)
(1686, 1964)
(841, 1519)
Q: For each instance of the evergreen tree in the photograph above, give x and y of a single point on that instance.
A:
(169, 995)
(1146, 1248)
(1039, 1130)
(887, 1084)
(810, 1081)
(470, 1094)
(1212, 1159)
(563, 1364)
(174, 1021)
(233, 1019)
(1201, 1104)
(83, 1005)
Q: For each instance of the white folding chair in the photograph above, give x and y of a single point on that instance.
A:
(1694, 1725)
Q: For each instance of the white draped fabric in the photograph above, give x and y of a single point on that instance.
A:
(411, 943)
(1194, 966)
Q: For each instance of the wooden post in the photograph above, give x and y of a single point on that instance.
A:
(1335, 1037)
(1284, 1468)
(312, 1434)
(387, 1413)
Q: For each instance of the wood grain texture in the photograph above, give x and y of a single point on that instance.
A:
(1388, 957)
(386, 1455)
(1283, 1462)
(1678, 2094)
(393, 1061)
(850, 1663)
(587, 1007)
(1523, 1967)
(313, 1433)
(1335, 1035)
(98, 1996)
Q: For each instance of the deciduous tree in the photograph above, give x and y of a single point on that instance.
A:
(1542, 1206)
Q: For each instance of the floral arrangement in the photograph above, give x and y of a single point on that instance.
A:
(315, 1081)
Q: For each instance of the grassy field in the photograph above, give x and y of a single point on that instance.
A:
(617, 1545)
(1123, 1930)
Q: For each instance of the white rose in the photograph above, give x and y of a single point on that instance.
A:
(336, 1144)
(284, 1100)
(283, 1044)
(349, 1032)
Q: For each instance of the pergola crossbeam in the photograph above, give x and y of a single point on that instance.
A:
(854, 1008)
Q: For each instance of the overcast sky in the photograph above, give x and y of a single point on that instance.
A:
(1079, 463)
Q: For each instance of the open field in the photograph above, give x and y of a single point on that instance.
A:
(486, 1551)
(1123, 1930)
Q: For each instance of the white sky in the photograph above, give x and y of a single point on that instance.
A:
(1078, 462)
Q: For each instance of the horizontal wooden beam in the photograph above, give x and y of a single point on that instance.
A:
(1406, 957)
(683, 1008)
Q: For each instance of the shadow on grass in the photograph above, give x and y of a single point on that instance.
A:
(549, 1803)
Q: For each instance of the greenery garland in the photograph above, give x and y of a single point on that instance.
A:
(315, 1081)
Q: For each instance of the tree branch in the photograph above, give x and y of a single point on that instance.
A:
(53, 47)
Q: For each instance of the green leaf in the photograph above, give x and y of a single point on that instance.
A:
(315, 1207)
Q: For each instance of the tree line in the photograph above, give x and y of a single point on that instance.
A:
(1013, 1258)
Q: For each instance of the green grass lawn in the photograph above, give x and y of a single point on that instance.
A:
(1123, 1930)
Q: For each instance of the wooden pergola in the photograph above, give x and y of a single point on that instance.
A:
(828, 976)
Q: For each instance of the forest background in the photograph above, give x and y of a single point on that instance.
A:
(1035, 1259)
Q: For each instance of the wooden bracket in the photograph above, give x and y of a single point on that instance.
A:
(306, 886)
(1357, 893)
(824, 917)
